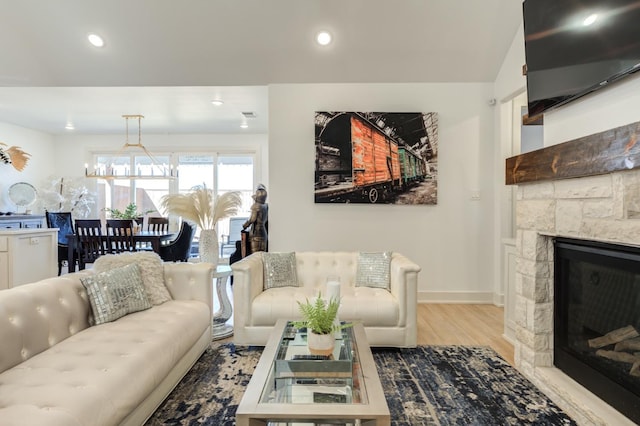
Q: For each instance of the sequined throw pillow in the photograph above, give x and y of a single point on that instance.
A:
(279, 270)
(116, 293)
(151, 269)
(373, 269)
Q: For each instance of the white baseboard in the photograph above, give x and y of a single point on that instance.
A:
(498, 299)
(455, 297)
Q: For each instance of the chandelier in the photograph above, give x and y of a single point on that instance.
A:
(132, 161)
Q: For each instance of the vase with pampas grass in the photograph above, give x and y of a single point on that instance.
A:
(203, 208)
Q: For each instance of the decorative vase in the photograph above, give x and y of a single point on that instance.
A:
(320, 344)
(208, 246)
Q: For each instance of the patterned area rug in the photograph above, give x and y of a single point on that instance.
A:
(428, 385)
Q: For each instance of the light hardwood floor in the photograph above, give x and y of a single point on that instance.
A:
(469, 325)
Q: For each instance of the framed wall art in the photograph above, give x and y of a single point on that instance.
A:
(376, 157)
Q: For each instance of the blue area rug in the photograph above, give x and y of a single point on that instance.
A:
(428, 385)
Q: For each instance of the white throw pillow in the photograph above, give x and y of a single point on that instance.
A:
(151, 269)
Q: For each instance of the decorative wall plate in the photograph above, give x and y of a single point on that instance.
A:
(22, 194)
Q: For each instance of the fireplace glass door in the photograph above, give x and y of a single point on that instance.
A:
(597, 319)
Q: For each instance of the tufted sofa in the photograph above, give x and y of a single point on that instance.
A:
(57, 370)
(388, 316)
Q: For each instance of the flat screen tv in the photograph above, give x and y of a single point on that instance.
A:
(574, 47)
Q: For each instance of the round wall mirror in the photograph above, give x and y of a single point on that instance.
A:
(22, 194)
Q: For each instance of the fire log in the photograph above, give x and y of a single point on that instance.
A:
(614, 336)
(618, 356)
(628, 345)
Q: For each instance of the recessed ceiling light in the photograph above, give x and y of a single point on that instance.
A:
(95, 40)
(69, 126)
(244, 126)
(217, 102)
(589, 20)
(323, 38)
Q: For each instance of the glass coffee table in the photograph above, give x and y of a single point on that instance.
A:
(290, 388)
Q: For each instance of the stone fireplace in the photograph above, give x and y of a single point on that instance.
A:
(596, 208)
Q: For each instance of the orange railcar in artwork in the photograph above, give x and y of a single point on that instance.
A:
(361, 164)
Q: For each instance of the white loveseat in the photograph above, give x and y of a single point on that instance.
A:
(57, 370)
(388, 316)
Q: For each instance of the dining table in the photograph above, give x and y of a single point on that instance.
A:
(154, 238)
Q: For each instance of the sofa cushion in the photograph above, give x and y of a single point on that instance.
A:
(373, 307)
(150, 265)
(370, 306)
(99, 376)
(116, 293)
(373, 269)
(34, 317)
(279, 270)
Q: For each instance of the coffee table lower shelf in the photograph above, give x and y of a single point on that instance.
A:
(252, 411)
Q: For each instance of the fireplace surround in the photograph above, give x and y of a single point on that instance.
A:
(603, 208)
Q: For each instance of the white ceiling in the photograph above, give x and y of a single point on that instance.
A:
(166, 59)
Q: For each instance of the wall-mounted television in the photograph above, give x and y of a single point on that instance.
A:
(575, 47)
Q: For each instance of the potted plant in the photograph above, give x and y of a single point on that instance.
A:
(130, 212)
(319, 318)
(203, 208)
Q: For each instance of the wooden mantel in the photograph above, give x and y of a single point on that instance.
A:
(605, 152)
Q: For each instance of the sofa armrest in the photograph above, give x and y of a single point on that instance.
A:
(190, 281)
(404, 286)
(248, 282)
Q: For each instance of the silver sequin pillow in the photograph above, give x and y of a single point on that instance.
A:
(116, 293)
(373, 269)
(279, 270)
(151, 269)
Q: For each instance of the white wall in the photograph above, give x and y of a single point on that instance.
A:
(602, 110)
(41, 163)
(510, 82)
(509, 85)
(451, 241)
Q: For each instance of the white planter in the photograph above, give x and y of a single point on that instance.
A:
(208, 246)
(320, 344)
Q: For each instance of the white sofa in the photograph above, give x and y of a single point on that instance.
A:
(57, 370)
(388, 316)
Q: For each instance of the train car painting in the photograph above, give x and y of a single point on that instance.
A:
(375, 157)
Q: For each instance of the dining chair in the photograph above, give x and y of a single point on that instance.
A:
(120, 235)
(157, 224)
(179, 249)
(90, 242)
(64, 222)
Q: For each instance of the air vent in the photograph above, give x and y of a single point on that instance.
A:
(249, 114)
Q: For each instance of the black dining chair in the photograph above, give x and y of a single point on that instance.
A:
(157, 224)
(64, 222)
(90, 242)
(120, 235)
(179, 249)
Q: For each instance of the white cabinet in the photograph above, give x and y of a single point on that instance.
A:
(21, 221)
(509, 285)
(27, 255)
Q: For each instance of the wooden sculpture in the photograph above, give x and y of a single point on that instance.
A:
(14, 155)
